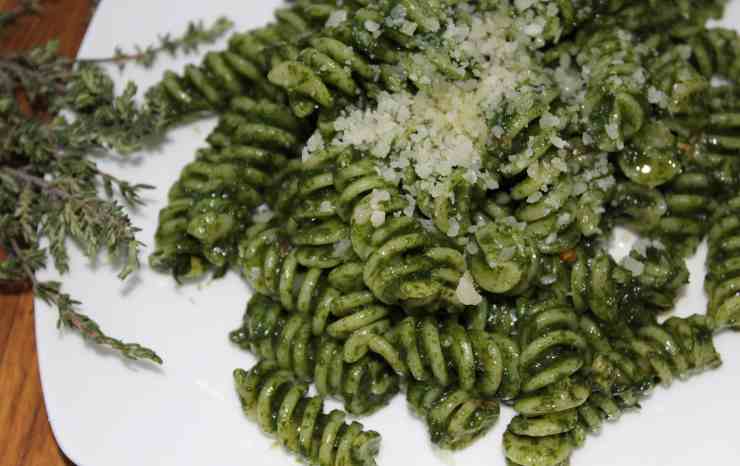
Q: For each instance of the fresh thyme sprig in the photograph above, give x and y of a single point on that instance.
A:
(50, 291)
(197, 34)
(51, 189)
(57, 116)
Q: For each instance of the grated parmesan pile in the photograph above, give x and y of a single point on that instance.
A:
(455, 121)
(443, 128)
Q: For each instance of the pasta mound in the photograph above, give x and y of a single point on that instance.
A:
(420, 193)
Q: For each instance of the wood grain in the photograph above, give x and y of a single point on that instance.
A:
(25, 435)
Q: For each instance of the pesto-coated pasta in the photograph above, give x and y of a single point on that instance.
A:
(715, 53)
(278, 403)
(507, 260)
(404, 263)
(421, 195)
(216, 194)
(624, 369)
(593, 286)
(652, 353)
(552, 348)
(447, 354)
(690, 201)
(455, 418)
(335, 66)
(615, 98)
(723, 263)
(550, 439)
(242, 68)
(274, 335)
(302, 280)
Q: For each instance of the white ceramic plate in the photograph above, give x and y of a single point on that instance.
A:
(107, 412)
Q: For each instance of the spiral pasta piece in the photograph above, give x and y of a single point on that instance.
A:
(311, 282)
(447, 354)
(405, 262)
(676, 17)
(408, 264)
(552, 348)
(221, 75)
(316, 212)
(638, 207)
(321, 70)
(374, 49)
(274, 335)
(242, 68)
(215, 195)
(615, 97)
(652, 278)
(653, 353)
(716, 52)
(691, 202)
(560, 188)
(723, 262)
(507, 261)
(647, 282)
(593, 286)
(712, 142)
(280, 406)
(549, 440)
(324, 285)
(455, 418)
(541, 434)
(623, 370)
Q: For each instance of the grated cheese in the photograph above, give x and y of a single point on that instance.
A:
(466, 292)
(315, 143)
(633, 265)
(454, 228)
(443, 128)
(377, 218)
(263, 214)
(336, 18)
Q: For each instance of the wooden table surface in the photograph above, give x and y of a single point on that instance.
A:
(25, 436)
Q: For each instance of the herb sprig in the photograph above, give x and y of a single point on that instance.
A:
(196, 35)
(57, 116)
